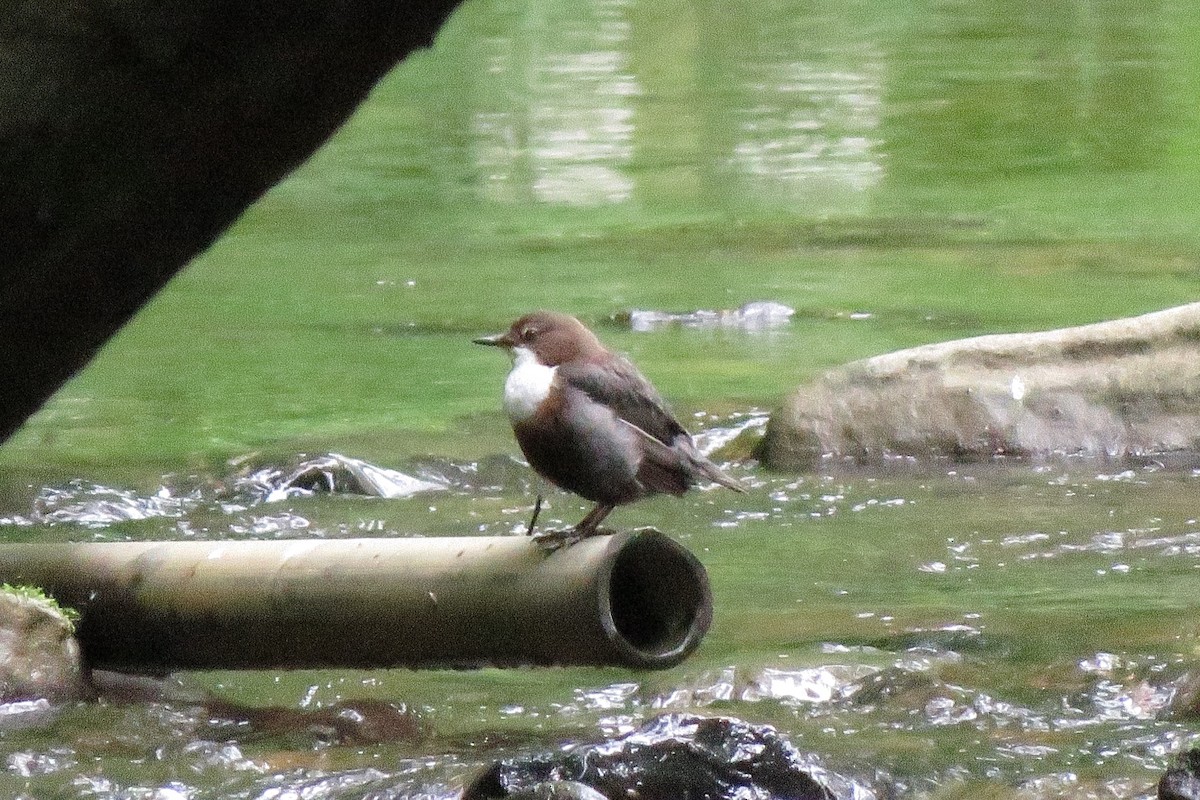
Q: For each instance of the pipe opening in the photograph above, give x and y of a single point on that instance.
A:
(659, 599)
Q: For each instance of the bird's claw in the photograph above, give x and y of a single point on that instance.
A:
(553, 540)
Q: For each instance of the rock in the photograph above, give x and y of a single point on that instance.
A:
(1182, 782)
(558, 790)
(1128, 387)
(333, 473)
(673, 756)
(39, 656)
(134, 133)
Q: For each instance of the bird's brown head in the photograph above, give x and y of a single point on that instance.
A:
(554, 338)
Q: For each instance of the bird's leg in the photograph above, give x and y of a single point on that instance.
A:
(537, 509)
(590, 525)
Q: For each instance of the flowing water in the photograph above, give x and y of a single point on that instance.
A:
(897, 173)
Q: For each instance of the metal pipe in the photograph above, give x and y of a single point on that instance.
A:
(635, 599)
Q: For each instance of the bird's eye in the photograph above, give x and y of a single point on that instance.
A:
(529, 333)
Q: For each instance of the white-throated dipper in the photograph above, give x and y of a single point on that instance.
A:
(588, 422)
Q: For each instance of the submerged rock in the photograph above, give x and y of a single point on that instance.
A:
(1128, 387)
(558, 790)
(355, 722)
(674, 756)
(92, 505)
(756, 315)
(334, 473)
(39, 656)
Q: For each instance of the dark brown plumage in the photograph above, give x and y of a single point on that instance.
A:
(590, 423)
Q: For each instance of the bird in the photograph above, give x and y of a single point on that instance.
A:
(589, 422)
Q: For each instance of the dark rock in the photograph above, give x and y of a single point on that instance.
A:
(558, 790)
(345, 722)
(39, 656)
(133, 133)
(674, 756)
(1114, 389)
(1182, 782)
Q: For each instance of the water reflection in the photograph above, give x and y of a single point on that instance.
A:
(805, 106)
(553, 122)
(577, 106)
(807, 124)
(1023, 87)
(821, 145)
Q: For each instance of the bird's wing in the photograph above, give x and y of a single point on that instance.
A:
(618, 385)
(670, 462)
(662, 468)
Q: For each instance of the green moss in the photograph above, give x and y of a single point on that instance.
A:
(37, 595)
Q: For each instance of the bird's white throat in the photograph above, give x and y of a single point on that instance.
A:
(527, 385)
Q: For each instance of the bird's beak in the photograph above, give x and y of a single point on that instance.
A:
(496, 340)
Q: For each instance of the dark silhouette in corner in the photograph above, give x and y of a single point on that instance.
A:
(132, 134)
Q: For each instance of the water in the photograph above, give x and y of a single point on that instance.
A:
(897, 173)
(914, 628)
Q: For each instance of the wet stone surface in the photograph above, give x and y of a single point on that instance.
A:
(673, 756)
(1109, 389)
(39, 657)
(1182, 781)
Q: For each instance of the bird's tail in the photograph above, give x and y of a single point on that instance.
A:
(678, 464)
(705, 468)
(711, 471)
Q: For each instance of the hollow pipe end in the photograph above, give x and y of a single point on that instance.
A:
(655, 601)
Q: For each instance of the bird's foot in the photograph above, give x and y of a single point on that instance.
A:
(553, 540)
